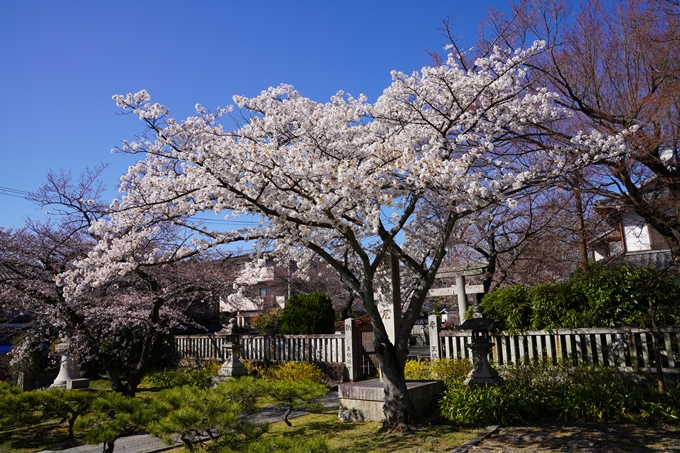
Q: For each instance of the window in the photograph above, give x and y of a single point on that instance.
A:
(264, 292)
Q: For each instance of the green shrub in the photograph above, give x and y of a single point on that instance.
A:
(620, 295)
(447, 370)
(510, 306)
(295, 371)
(556, 306)
(112, 416)
(197, 377)
(507, 403)
(308, 314)
(19, 408)
(598, 296)
(533, 391)
(243, 391)
(202, 415)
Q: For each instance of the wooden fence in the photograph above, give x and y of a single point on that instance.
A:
(276, 348)
(201, 347)
(297, 348)
(627, 349)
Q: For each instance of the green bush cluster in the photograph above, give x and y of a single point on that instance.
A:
(210, 418)
(447, 369)
(595, 297)
(533, 392)
(307, 314)
(198, 377)
(19, 408)
(296, 371)
(205, 417)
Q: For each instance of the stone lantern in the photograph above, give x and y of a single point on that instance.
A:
(232, 366)
(482, 373)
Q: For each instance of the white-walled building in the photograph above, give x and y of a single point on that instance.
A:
(632, 240)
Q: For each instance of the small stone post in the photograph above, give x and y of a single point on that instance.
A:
(352, 350)
(434, 326)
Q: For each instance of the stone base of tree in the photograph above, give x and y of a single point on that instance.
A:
(363, 401)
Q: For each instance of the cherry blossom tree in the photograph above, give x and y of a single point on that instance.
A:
(121, 324)
(347, 181)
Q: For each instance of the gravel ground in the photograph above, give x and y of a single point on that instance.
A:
(585, 437)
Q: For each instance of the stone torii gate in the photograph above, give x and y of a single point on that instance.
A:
(460, 289)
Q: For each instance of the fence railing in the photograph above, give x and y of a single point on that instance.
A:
(628, 349)
(298, 348)
(276, 348)
(201, 347)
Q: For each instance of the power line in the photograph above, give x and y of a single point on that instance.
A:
(19, 177)
(13, 192)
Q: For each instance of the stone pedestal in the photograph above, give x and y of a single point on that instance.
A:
(232, 366)
(364, 401)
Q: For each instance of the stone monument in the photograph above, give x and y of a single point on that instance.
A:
(69, 371)
(388, 294)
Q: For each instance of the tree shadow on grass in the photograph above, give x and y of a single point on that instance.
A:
(44, 436)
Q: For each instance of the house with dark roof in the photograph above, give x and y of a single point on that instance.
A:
(629, 239)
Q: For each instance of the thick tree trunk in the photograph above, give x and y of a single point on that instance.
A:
(399, 409)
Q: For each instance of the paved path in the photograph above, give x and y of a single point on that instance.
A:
(145, 443)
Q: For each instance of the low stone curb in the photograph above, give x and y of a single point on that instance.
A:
(480, 437)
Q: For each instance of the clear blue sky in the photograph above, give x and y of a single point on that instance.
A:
(60, 63)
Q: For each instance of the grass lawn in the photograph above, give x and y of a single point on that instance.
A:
(364, 437)
(341, 436)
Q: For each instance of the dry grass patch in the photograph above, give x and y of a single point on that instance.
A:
(364, 437)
